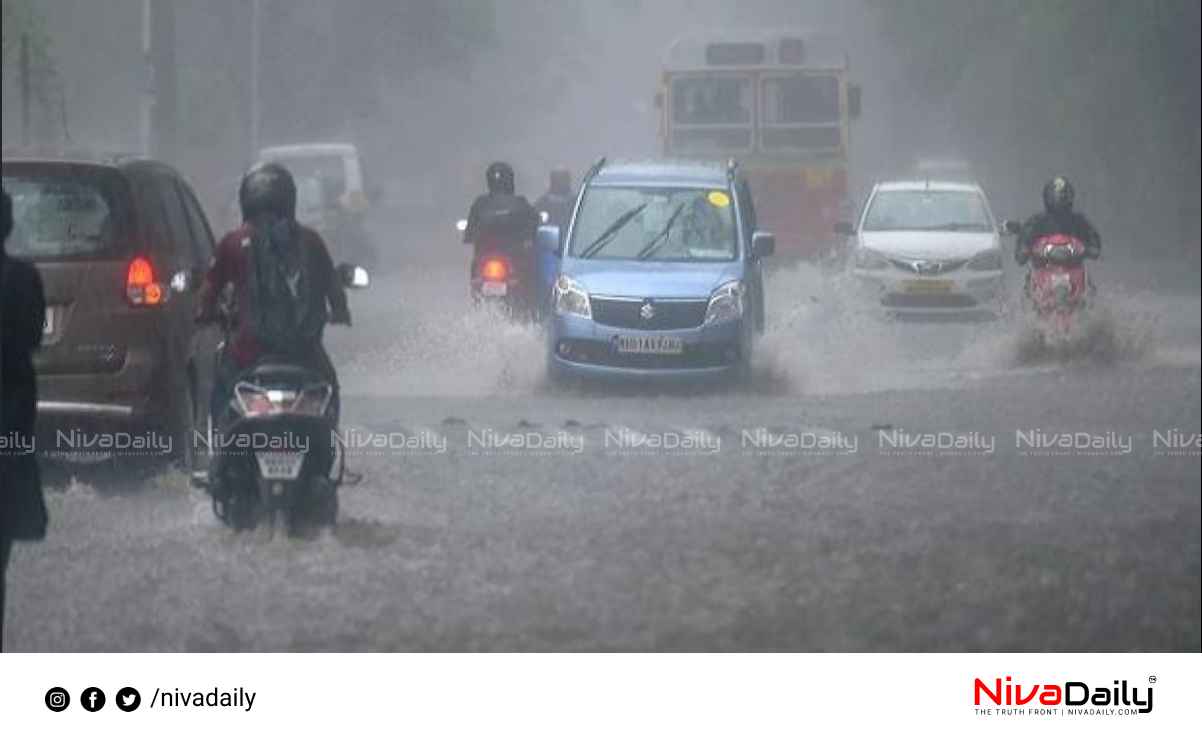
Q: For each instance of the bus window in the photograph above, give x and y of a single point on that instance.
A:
(712, 113)
(801, 112)
(711, 100)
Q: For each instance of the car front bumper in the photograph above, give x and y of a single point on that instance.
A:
(580, 347)
(957, 292)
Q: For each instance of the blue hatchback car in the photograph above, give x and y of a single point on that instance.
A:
(660, 274)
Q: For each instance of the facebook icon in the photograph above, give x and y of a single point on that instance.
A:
(92, 699)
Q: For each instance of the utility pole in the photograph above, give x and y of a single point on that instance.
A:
(24, 62)
(255, 13)
(162, 52)
(157, 125)
(146, 112)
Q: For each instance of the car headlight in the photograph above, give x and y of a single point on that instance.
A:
(571, 298)
(990, 260)
(726, 303)
(870, 260)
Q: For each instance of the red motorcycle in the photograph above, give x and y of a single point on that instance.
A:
(1058, 286)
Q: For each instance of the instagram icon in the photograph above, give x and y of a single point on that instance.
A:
(57, 699)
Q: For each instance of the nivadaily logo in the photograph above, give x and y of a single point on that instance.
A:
(1065, 698)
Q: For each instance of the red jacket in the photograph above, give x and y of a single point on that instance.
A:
(230, 267)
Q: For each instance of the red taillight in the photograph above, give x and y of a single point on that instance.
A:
(494, 269)
(140, 285)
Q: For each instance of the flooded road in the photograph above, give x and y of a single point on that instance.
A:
(878, 486)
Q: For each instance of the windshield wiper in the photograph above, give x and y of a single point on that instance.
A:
(651, 247)
(603, 239)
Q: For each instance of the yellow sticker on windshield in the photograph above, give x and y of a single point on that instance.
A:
(719, 199)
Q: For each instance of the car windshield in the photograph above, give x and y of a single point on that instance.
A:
(652, 223)
(62, 215)
(951, 211)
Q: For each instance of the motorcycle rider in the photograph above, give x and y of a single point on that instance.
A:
(500, 212)
(284, 286)
(501, 218)
(559, 199)
(1058, 217)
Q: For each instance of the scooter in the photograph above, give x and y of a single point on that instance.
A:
(504, 275)
(273, 449)
(1058, 290)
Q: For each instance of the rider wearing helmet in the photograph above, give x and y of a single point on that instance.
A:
(557, 202)
(500, 212)
(1058, 217)
(283, 282)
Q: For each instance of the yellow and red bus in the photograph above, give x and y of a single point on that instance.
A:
(780, 103)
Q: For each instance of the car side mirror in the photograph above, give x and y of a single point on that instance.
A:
(845, 228)
(763, 244)
(546, 240)
(1010, 227)
(853, 101)
(354, 277)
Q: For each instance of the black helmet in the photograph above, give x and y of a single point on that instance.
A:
(1058, 195)
(561, 181)
(267, 188)
(499, 178)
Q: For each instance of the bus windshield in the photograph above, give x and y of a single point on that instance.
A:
(800, 112)
(712, 113)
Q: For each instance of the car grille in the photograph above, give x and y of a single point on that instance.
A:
(927, 267)
(668, 314)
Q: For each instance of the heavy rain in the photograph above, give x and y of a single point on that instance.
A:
(888, 434)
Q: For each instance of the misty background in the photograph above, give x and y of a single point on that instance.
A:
(1104, 91)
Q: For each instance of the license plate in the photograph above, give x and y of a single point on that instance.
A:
(662, 345)
(494, 288)
(280, 465)
(928, 286)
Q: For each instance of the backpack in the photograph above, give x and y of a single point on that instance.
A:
(285, 317)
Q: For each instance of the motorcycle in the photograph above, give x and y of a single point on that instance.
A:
(273, 449)
(504, 275)
(1058, 289)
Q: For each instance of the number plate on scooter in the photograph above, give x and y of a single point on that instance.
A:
(494, 288)
(280, 465)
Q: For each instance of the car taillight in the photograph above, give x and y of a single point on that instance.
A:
(141, 288)
(494, 269)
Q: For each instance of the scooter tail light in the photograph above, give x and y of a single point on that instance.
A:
(313, 400)
(254, 401)
(494, 269)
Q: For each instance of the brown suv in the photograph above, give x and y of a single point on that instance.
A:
(121, 245)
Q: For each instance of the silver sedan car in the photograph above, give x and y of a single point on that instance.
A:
(928, 247)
